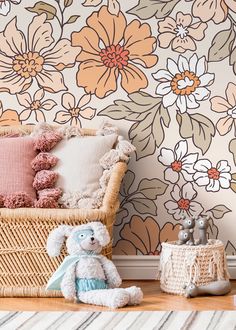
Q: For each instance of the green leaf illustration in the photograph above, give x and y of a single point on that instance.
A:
(219, 211)
(162, 117)
(149, 117)
(152, 188)
(43, 7)
(233, 183)
(141, 135)
(232, 149)
(221, 45)
(127, 183)
(120, 216)
(144, 205)
(92, 3)
(124, 110)
(212, 230)
(197, 127)
(68, 3)
(232, 59)
(146, 9)
(233, 186)
(72, 19)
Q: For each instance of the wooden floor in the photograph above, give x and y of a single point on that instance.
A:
(154, 299)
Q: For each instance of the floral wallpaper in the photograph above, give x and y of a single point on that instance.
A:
(164, 72)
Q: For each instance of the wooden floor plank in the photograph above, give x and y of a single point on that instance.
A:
(154, 300)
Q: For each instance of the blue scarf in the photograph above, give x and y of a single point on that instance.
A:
(55, 280)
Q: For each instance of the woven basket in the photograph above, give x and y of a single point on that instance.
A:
(182, 264)
(25, 266)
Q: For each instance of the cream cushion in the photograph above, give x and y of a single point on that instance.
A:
(78, 166)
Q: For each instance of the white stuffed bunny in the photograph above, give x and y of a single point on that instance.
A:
(85, 275)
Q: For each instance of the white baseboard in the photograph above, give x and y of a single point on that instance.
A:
(146, 267)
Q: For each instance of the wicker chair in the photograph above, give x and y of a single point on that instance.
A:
(24, 264)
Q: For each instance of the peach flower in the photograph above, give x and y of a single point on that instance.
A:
(110, 47)
(180, 33)
(8, 117)
(227, 106)
(74, 111)
(144, 236)
(217, 10)
(24, 59)
(34, 105)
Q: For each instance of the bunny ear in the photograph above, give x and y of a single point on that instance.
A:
(100, 232)
(56, 239)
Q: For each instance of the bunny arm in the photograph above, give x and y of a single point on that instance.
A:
(112, 276)
(68, 283)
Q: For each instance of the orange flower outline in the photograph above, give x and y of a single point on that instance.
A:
(105, 57)
(25, 59)
(180, 32)
(34, 105)
(74, 110)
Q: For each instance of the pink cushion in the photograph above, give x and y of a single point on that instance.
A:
(45, 179)
(19, 199)
(47, 140)
(48, 193)
(46, 203)
(16, 173)
(44, 161)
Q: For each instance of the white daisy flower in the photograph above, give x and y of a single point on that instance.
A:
(213, 178)
(183, 203)
(5, 6)
(184, 83)
(178, 161)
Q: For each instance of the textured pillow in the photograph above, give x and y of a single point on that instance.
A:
(18, 199)
(45, 179)
(16, 173)
(49, 193)
(43, 161)
(78, 166)
(47, 140)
